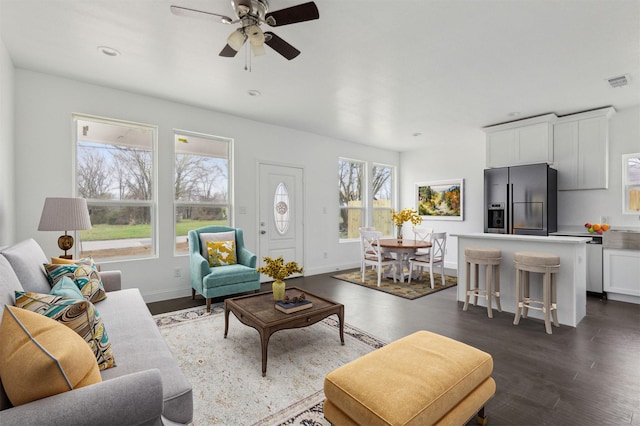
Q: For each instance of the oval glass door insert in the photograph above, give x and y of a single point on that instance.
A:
(281, 208)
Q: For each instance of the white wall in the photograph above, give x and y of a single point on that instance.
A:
(44, 145)
(7, 212)
(448, 159)
(465, 158)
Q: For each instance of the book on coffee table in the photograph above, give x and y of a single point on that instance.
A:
(290, 307)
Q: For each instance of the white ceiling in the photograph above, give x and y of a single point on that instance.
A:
(371, 71)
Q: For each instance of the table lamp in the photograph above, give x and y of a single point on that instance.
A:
(64, 214)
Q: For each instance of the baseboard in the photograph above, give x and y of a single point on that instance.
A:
(161, 295)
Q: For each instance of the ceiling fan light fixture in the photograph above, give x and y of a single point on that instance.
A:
(256, 36)
(236, 40)
(257, 49)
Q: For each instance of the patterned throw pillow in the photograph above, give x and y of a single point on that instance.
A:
(40, 357)
(221, 253)
(67, 288)
(79, 315)
(83, 273)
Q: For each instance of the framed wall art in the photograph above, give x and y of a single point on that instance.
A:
(440, 200)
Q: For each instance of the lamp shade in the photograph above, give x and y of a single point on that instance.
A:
(64, 214)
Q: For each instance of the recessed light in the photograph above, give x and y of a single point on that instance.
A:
(514, 114)
(254, 92)
(109, 51)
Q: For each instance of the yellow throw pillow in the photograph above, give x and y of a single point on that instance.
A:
(221, 253)
(61, 261)
(40, 357)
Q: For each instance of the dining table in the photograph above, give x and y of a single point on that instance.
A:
(403, 250)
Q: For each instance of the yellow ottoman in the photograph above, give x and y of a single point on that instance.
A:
(421, 379)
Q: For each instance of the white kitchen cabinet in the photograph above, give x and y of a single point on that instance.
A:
(581, 150)
(621, 270)
(528, 141)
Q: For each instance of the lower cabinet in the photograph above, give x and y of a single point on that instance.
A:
(621, 270)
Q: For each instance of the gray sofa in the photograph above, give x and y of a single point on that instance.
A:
(145, 388)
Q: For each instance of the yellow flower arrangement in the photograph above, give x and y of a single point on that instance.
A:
(277, 269)
(406, 215)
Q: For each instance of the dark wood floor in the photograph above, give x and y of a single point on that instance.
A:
(588, 375)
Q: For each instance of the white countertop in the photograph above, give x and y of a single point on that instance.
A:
(530, 238)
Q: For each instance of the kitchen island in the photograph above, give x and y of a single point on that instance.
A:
(571, 279)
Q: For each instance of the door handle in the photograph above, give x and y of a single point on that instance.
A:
(263, 232)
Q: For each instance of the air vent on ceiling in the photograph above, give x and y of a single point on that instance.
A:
(620, 81)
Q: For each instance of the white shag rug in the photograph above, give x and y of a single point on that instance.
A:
(228, 387)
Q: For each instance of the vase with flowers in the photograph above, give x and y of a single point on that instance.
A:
(404, 215)
(278, 271)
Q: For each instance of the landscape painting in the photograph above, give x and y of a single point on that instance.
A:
(440, 200)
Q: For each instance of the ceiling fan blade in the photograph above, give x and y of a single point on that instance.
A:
(235, 41)
(185, 11)
(228, 52)
(291, 15)
(280, 46)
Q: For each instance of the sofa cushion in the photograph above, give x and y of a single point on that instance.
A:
(138, 344)
(27, 260)
(79, 315)
(83, 274)
(214, 236)
(40, 357)
(221, 253)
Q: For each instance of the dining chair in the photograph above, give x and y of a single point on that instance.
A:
(362, 251)
(435, 257)
(373, 254)
(422, 234)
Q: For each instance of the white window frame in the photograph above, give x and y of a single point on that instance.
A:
(363, 195)
(228, 205)
(393, 197)
(151, 203)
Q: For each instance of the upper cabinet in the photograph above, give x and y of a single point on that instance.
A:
(528, 141)
(581, 150)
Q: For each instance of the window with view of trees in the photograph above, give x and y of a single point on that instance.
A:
(382, 189)
(355, 205)
(201, 182)
(115, 173)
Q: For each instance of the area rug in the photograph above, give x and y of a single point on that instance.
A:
(228, 387)
(417, 288)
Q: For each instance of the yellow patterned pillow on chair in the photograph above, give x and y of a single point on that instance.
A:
(221, 253)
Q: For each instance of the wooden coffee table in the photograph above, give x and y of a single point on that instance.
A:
(258, 311)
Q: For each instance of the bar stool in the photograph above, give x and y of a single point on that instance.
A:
(547, 264)
(491, 258)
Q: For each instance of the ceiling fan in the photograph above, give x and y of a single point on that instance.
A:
(251, 14)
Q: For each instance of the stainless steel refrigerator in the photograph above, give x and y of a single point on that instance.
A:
(521, 200)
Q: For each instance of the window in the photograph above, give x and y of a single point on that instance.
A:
(201, 184)
(357, 209)
(116, 174)
(350, 184)
(382, 190)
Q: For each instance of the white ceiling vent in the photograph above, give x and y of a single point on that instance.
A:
(620, 81)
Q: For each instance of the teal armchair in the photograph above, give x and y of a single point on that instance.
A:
(224, 280)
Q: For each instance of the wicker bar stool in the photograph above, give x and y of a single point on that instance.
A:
(544, 263)
(491, 258)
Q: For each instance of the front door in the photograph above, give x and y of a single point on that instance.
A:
(281, 213)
